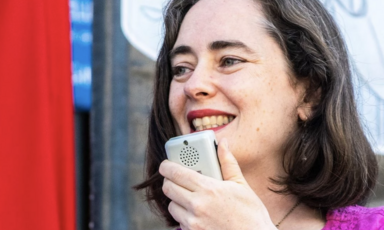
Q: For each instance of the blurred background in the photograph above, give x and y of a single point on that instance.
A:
(126, 39)
(114, 44)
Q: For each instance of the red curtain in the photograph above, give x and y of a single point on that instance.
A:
(37, 182)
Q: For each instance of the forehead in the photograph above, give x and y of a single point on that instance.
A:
(210, 20)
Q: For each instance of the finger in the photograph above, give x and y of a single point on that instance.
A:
(229, 166)
(184, 177)
(176, 193)
(177, 212)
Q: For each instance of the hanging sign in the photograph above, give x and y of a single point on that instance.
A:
(81, 33)
(142, 24)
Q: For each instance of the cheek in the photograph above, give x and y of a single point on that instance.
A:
(176, 101)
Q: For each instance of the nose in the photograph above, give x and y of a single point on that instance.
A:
(200, 84)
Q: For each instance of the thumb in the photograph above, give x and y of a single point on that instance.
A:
(229, 166)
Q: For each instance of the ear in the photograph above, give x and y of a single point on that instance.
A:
(304, 111)
(306, 106)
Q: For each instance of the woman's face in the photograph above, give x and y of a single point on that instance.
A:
(232, 77)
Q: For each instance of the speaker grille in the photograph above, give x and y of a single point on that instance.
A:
(189, 156)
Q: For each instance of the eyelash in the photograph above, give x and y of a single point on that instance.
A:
(176, 69)
(223, 64)
(236, 60)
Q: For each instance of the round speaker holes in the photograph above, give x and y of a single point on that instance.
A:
(189, 156)
(186, 142)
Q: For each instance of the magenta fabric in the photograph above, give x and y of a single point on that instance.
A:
(355, 218)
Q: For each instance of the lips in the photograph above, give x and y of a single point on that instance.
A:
(208, 119)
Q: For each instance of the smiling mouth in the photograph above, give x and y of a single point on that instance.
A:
(210, 122)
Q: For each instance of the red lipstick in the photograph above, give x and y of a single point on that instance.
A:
(205, 113)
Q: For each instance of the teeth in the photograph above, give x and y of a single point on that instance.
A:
(219, 120)
(206, 121)
(211, 122)
(197, 122)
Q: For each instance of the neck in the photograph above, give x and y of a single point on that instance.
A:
(278, 205)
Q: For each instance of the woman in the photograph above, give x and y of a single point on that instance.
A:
(293, 155)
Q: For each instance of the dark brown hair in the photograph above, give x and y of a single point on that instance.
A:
(329, 161)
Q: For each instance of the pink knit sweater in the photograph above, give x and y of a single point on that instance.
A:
(355, 218)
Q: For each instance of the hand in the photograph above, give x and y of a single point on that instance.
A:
(200, 202)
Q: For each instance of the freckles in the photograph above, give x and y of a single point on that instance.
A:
(257, 102)
(258, 129)
(240, 92)
(176, 105)
(173, 104)
(176, 99)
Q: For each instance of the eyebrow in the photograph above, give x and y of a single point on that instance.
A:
(218, 45)
(180, 50)
(214, 46)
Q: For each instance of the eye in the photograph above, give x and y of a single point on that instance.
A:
(180, 70)
(228, 62)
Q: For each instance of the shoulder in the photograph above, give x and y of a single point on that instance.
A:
(355, 218)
